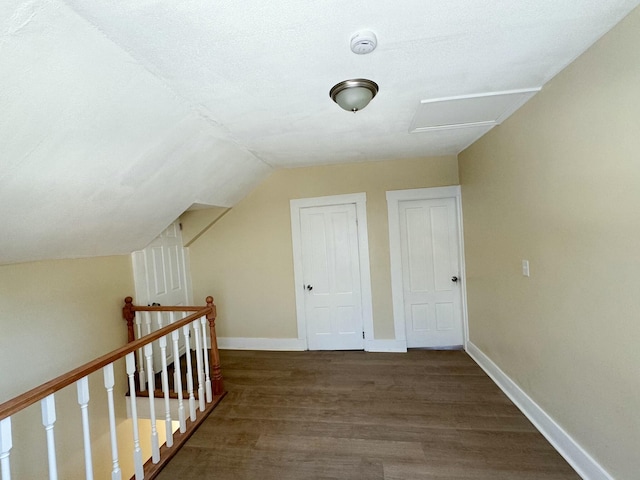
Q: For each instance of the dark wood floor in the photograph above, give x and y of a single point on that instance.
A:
(354, 415)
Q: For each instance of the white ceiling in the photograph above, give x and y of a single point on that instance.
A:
(115, 117)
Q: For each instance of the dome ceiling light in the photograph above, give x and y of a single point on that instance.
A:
(354, 95)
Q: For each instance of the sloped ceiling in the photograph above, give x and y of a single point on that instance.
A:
(115, 117)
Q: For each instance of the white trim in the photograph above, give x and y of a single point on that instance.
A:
(329, 200)
(452, 191)
(394, 197)
(186, 258)
(463, 271)
(273, 344)
(470, 96)
(360, 201)
(455, 126)
(571, 450)
(140, 283)
(395, 346)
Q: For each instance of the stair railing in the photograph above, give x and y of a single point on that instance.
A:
(210, 391)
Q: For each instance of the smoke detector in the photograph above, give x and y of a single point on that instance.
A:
(363, 42)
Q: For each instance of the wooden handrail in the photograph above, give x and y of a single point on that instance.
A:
(160, 308)
(20, 402)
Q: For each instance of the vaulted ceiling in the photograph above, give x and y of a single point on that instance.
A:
(115, 117)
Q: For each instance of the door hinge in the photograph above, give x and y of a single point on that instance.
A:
(363, 335)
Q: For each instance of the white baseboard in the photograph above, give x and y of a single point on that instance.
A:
(572, 452)
(386, 346)
(247, 343)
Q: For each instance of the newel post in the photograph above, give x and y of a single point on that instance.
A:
(216, 372)
(129, 314)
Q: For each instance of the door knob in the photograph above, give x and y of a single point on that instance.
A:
(309, 287)
(454, 279)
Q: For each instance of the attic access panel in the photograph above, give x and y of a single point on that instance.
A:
(485, 109)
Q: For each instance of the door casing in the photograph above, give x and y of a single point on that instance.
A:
(394, 198)
(360, 201)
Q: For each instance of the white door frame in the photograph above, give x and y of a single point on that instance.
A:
(360, 201)
(394, 198)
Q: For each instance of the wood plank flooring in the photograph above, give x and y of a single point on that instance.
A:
(422, 415)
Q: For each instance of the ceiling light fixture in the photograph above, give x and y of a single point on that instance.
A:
(354, 95)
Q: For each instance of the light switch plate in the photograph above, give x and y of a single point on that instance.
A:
(525, 268)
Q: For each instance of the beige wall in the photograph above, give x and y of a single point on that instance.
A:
(245, 260)
(196, 222)
(54, 316)
(559, 184)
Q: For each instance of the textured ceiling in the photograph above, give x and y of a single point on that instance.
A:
(117, 116)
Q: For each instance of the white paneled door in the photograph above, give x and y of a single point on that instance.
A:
(429, 240)
(161, 273)
(331, 277)
(163, 276)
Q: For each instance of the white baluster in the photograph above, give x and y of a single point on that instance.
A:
(177, 380)
(205, 353)
(165, 389)
(192, 400)
(147, 328)
(142, 380)
(172, 319)
(83, 401)
(196, 329)
(109, 382)
(6, 443)
(159, 319)
(137, 451)
(147, 323)
(138, 319)
(155, 446)
(48, 420)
